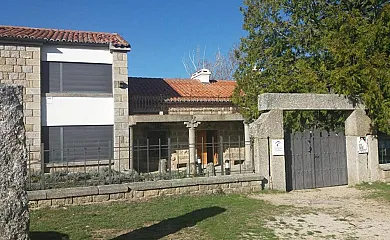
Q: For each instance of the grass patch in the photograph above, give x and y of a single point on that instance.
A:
(380, 190)
(185, 217)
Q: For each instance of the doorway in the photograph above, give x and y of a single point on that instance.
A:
(207, 146)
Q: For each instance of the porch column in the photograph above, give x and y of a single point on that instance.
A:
(131, 146)
(191, 125)
(248, 158)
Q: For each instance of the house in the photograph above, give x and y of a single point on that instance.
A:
(72, 91)
(81, 108)
(196, 115)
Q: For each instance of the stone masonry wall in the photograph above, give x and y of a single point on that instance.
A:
(20, 65)
(145, 190)
(121, 108)
(14, 215)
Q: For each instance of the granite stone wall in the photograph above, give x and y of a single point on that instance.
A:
(21, 65)
(14, 214)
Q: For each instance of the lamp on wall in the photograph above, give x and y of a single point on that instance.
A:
(123, 85)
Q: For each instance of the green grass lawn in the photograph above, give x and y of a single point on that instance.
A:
(185, 217)
(379, 190)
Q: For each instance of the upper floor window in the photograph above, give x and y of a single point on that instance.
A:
(76, 77)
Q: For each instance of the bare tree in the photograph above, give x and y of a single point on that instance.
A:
(221, 66)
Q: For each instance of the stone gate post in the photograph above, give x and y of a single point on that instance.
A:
(269, 127)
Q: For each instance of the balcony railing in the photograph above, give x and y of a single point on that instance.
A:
(157, 104)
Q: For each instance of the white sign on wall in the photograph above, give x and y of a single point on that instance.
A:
(278, 147)
(362, 144)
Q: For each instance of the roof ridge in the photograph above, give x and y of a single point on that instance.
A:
(57, 29)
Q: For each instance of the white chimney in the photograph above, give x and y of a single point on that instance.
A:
(202, 75)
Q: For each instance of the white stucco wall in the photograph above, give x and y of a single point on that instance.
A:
(67, 111)
(76, 54)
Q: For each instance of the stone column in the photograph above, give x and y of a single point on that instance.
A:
(269, 126)
(14, 214)
(191, 125)
(121, 108)
(247, 139)
(361, 167)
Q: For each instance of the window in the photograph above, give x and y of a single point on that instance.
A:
(384, 149)
(76, 77)
(77, 143)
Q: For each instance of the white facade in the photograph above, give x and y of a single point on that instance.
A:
(58, 53)
(68, 111)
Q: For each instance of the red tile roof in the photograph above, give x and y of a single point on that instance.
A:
(175, 90)
(71, 36)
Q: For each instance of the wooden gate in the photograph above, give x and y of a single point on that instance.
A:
(315, 159)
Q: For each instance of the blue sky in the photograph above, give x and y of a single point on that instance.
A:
(161, 32)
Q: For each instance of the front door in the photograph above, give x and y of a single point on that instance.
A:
(207, 146)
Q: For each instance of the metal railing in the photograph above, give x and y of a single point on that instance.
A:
(156, 104)
(150, 160)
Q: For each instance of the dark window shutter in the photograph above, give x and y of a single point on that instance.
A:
(76, 77)
(80, 143)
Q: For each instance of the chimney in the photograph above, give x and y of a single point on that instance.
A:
(202, 75)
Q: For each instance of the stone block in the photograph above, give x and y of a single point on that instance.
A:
(27, 69)
(14, 54)
(2, 60)
(81, 200)
(58, 202)
(113, 188)
(138, 194)
(10, 47)
(117, 196)
(17, 69)
(32, 49)
(10, 61)
(25, 54)
(44, 203)
(36, 195)
(33, 91)
(13, 76)
(33, 76)
(37, 69)
(6, 68)
(101, 198)
(129, 195)
(5, 53)
(20, 48)
(22, 76)
(21, 61)
(72, 192)
(33, 105)
(151, 193)
(235, 185)
(33, 62)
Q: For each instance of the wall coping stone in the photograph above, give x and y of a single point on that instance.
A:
(305, 101)
(113, 188)
(139, 186)
(71, 192)
(36, 195)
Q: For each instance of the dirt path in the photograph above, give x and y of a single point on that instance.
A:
(330, 213)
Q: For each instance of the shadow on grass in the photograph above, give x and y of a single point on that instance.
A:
(172, 225)
(48, 236)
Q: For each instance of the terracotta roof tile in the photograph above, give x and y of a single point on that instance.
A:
(72, 36)
(182, 89)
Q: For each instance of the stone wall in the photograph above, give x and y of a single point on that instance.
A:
(121, 108)
(145, 190)
(14, 215)
(20, 65)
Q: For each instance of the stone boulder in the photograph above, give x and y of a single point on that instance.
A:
(14, 214)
